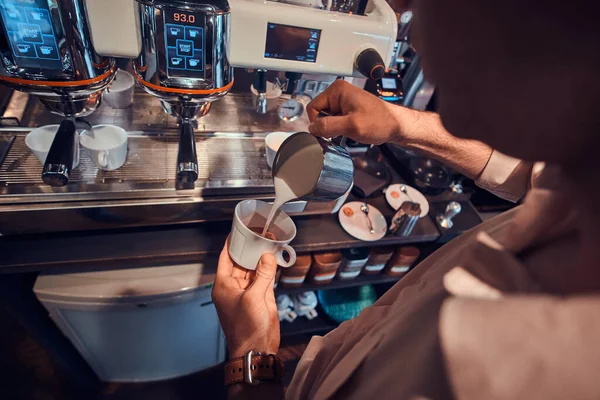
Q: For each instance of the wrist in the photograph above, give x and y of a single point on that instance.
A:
(242, 349)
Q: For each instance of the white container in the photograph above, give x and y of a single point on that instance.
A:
(137, 325)
(40, 139)
(273, 93)
(120, 92)
(106, 145)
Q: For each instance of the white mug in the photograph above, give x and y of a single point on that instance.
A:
(272, 142)
(120, 92)
(273, 93)
(246, 247)
(40, 139)
(107, 145)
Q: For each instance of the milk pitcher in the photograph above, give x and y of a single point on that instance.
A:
(337, 171)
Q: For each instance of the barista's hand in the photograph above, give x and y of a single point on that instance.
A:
(245, 302)
(360, 116)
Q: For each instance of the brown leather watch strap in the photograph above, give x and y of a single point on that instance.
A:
(262, 368)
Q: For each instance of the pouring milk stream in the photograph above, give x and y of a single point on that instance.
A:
(296, 177)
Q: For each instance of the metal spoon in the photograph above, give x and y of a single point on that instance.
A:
(403, 190)
(365, 209)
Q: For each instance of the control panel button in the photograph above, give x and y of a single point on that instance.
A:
(30, 33)
(174, 33)
(185, 47)
(23, 49)
(12, 16)
(174, 60)
(48, 49)
(196, 61)
(41, 18)
(195, 35)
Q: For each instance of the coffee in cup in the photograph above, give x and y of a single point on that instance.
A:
(246, 245)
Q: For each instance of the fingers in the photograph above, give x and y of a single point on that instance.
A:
(265, 274)
(225, 267)
(329, 100)
(331, 127)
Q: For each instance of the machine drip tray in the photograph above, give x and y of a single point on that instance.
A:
(229, 164)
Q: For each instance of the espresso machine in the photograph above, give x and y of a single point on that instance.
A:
(183, 52)
(47, 51)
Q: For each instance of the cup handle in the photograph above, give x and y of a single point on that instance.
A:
(281, 261)
(103, 159)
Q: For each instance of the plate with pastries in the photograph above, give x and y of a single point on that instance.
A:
(398, 193)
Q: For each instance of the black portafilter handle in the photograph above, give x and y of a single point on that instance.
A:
(187, 160)
(370, 64)
(59, 162)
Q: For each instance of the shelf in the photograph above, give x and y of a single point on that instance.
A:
(337, 284)
(320, 325)
(126, 248)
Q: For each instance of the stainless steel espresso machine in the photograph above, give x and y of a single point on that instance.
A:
(184, 52)
(47, 51)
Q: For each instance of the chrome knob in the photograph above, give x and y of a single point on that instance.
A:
(445, 219)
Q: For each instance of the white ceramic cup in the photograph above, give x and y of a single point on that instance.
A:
(107, 145)
(273, 93)
(272, 142)
(40, 139)
(246, 247)
(120, 92)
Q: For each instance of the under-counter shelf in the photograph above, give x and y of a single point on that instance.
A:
(337, 284)
(319, 325)
(175, 244)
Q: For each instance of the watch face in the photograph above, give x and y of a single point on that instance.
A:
(291, 110)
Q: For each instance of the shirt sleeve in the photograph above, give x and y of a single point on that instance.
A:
(534, 347)
(506, 177)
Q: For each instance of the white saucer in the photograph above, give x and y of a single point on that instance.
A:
(357, 225)
(413, 195)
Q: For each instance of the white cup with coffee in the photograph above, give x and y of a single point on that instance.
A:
(246, 245)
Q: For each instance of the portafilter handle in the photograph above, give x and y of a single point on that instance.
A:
(60, 159)
(187, 160)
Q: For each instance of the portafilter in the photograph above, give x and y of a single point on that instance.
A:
(47, 51)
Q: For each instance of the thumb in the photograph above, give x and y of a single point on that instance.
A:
(331, 127)
(265, 274)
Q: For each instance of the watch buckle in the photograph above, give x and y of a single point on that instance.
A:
(248, 367)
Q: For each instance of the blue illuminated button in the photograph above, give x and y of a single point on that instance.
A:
(185, 47)
(41, 18)
(30, 33)
(312, 44)
(195, 35)
(24, 49)
(174, 61)
(48, 49)
(12, 16)
(195, 62)
(174, 33)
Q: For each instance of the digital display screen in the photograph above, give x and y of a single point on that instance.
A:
(184, 39)
(389, 83)
(294, 43)
(28, 26)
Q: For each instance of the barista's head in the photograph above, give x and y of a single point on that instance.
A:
(522, 76)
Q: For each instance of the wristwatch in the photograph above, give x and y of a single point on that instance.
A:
(254, 368)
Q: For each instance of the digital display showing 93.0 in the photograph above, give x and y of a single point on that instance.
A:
(28, 26)
(184, 39)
